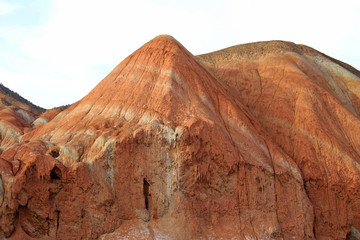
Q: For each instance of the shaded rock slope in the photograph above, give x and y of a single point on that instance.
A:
(257, 141)
(10, 99)
(16, 116)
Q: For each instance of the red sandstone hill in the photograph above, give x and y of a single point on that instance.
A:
(309, 104)
(16, 116)
(256, 141)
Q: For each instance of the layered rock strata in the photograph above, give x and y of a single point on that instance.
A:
(229, 145)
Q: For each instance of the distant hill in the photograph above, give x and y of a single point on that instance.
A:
(9, 98)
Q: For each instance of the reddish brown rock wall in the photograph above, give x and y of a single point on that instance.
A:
(307, 103)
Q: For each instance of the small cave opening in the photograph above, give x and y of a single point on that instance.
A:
(55, 174)
(54, 153)
(146, 191)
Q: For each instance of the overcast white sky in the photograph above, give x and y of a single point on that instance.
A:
(53, 52)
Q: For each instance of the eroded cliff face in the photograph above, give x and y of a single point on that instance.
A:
(162, 148)
(308, 103)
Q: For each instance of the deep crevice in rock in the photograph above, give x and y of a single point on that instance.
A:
(314, 231)
(146, 188)
(57, 221)
(55, 174)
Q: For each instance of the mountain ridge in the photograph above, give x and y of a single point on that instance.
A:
(262, 48)
(9, 93)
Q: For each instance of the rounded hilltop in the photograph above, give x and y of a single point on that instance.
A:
(260, 49)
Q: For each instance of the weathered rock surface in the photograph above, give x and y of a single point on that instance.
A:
(12, 100)
(12, 127)
(48, 115)
(163, 148)
(16, 116)
(309, 104)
